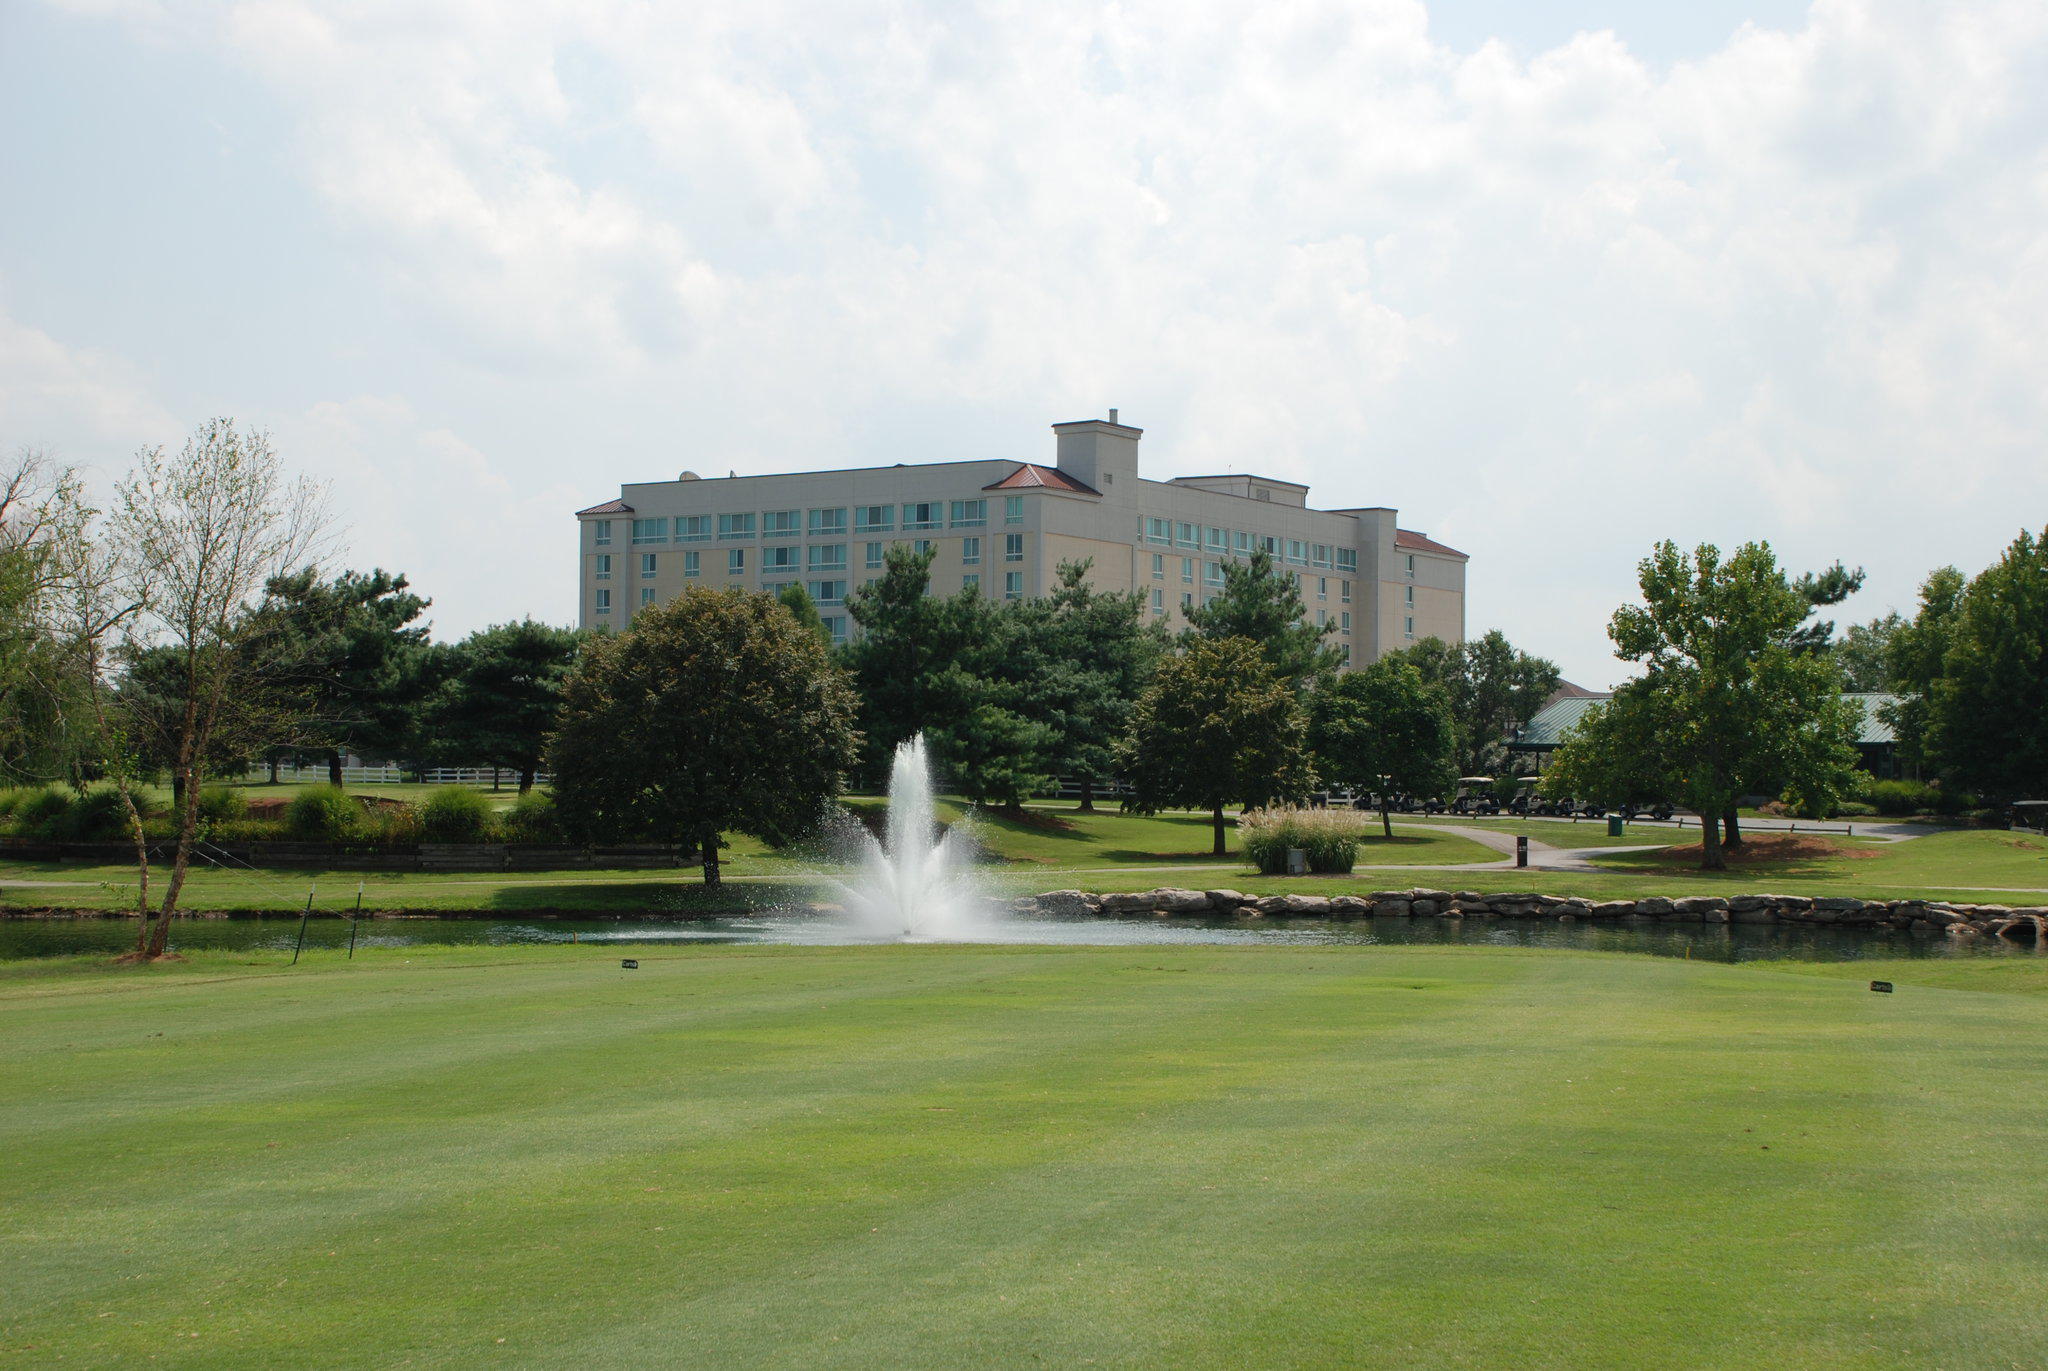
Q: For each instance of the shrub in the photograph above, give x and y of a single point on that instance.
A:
(10, 798)
(323, 814)
(457, 814)
(222, 804)
(41, 814)
(532, 819)
(99, 816)
(1328, 837)
(397, 824)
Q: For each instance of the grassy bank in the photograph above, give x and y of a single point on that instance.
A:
(956, 1156)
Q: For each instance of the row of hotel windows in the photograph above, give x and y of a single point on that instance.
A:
(832, 595)
(1212, 574)
(821, 523)
(1227, 541)
(821, 557)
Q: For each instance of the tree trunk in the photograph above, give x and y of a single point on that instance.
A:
(1710, 846)
(188, 828)
(1216, 817)
(334, 768)
(273, 768)
(525, 779)
(708, 849)
(1731, 822)
(1386, 819)
(177, 789)
(1087, 795)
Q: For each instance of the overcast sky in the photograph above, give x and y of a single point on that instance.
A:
(1555, 279)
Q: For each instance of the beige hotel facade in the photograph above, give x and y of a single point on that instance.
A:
(1005, 527)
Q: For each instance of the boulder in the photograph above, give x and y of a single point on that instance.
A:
(1305, 904)
(1382, 896)
(1271, 904)
(1744, 904)
(1397, 907)
(1068, 902)
(1126, 903)
(1424, 909)
(1573, 908)
(1613, 909)
(1173, 900)
(1471, 909)
(1709, 907)
(1655, 907)
(1440, 896)
(1227, 900)
(1350, 906)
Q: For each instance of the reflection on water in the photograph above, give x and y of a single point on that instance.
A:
(1721, 942)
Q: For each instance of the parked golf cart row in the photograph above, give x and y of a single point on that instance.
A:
(1483, 796)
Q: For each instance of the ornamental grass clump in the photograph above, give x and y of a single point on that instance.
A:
(457, 814)
(1328, 837)
(324, 814)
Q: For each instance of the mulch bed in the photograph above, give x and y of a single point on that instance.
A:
(1762, 847)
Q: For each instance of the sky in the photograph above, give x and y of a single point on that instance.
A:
(1556, 280)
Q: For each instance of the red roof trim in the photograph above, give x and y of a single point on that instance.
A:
(608, 507)
(1031, 474)
(1416, 542)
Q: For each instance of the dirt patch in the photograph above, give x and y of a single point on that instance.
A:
(1762, 848)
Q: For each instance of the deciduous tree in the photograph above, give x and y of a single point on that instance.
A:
(716, 712)
(1219, 725)
(1262, 604)
(1386, 729)
(1988, 722)
(1493, 688)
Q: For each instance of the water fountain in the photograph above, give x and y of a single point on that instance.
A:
(916, 882)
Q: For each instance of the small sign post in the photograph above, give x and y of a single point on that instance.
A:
(1521, 850)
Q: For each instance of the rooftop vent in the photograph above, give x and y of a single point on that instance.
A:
(687, 476)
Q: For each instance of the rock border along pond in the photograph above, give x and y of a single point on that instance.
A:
(1958, 921)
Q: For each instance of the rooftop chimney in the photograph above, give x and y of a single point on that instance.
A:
(1099, 453)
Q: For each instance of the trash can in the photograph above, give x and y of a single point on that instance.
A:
(1297, 861)
(1614, 825)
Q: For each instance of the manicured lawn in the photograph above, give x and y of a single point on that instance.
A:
(1983, 857)
(965, 1157)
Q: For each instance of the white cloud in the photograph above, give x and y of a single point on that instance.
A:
(1554, 306)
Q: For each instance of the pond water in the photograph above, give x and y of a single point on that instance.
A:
(1722, 942)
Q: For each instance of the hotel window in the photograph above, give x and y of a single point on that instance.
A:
(969, 514)
(1185, 536)
(1297, 551)
(1408, 627)
(1159, 564)
(1347, 654)
(970, 552)
(1013, 509)
(646, 566)
(1319, 554)
(1013, 585)
(646, 596)
(926, 515)
(774, 559)
(735, 561)
(835, 625)
(650, 530)
(604, 600)
(1212, 573)
(1218, 539)
(1347, 559)
(692, 563)
(735, 525)
(1158, 530)
(1322, 587)
(1187, 600)
(775, 588)
(1322, 618)
(1344, 591)
(693, 528)
(1411, 566)
(874, 518)
(1344, 622)
(604, 566)
(874, 555)
(828, 593)
(1158, 600)
(1410, 596)
(1241, 542)
(828, 556)
(780, 523)
(922, 546)
(828, 523)
(1013, 547)
(971, 581)
(1187, 570)
(603, 536)
(1271, 546)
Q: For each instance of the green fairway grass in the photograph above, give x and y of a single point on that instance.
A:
(954, 1156)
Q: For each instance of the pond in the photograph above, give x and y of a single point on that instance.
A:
(42, 937)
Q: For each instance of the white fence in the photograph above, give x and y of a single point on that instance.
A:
(484, 776)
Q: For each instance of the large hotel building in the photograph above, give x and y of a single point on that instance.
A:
(1006, 526)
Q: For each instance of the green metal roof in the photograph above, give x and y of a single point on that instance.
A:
(1554, 720)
